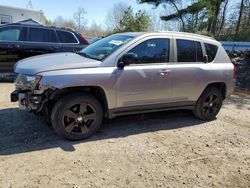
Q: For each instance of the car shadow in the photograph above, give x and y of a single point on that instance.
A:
(22, 132)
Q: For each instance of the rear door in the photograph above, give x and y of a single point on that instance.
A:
(40, 41)
(10, 46)
(190, 70)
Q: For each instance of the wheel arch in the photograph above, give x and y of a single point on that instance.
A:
(220, 85)
(97, 91)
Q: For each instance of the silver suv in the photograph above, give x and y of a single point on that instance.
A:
(126, 73)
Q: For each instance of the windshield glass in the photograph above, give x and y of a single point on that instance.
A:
(104, 47)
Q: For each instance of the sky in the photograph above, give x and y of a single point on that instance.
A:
(96, 9)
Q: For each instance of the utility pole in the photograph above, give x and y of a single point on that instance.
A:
(29, 5)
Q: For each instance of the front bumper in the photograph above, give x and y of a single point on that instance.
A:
(27, 100)
(14, 96)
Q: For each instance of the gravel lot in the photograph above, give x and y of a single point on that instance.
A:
(167, 149)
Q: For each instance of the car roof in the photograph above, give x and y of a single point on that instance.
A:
(30, 23)
(172, 33)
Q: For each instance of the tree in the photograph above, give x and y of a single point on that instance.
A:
(157, 24)
(209, 7)
(94, 30)
(61, 22)
(131, 22)
(222, 22)
(79, 17)
(174, 3)
(115, 14)
(239, 19)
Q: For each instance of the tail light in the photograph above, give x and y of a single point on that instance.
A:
(85, 40)
(234, 71)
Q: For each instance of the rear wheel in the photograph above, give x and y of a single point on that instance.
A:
(209, 104)
(77, 116)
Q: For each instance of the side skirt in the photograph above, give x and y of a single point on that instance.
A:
(149, 108)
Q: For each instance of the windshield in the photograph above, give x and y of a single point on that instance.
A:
(104, 47)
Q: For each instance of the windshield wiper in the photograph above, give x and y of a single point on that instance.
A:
(87, 55)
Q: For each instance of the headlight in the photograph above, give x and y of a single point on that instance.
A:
(28, 82)
(30, 79)
(36, 82)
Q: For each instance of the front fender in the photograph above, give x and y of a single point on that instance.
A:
(103, 77)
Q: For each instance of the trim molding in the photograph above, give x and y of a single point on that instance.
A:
(150, 108)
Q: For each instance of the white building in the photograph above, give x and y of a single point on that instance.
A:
(13, 14)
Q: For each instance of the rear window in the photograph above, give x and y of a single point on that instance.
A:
(66, 37)
(189, 51)
(211, 51)
(41, 35)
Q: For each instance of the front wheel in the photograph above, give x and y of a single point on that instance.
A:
(209, 104)
(77, 116)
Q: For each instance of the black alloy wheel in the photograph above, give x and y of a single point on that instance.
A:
(77, 116)
(209, 104)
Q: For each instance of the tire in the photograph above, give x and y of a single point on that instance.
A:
(77, 116)
(209, 104)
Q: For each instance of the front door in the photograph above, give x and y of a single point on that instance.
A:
(148, 81)
(10, 46)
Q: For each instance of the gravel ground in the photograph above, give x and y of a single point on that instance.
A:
(167, 149)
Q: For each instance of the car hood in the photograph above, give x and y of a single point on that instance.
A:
(50, 62)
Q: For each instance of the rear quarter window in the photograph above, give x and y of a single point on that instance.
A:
(66, 37)
(211, 51)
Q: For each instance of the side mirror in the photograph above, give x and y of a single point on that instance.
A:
(205, 58)
(127, 59)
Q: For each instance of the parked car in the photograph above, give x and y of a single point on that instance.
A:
(28, 38)
(93, 39)
(126, 73)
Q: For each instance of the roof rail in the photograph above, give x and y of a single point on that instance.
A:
(186, 33)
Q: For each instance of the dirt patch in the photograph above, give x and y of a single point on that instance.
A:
(167, 149)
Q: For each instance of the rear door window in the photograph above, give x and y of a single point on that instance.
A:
(189, 51)
(66, 37)
(10, 33)
(152, 51)
(211, 51)
(41, 35)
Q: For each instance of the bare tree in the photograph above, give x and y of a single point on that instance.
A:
(221, 24)
(246, 15)
(157, 24)
(94, 30)
(115, 14)
(79, 17)
(240, 15)
(61, 22)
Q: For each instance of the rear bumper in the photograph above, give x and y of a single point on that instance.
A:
(230, 88)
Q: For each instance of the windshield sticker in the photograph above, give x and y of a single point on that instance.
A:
(116, 42)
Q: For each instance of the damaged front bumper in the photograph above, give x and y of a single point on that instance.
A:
(27, 100)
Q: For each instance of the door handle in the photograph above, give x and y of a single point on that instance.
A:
(13, 46)
(164, 72)
(53, 48)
